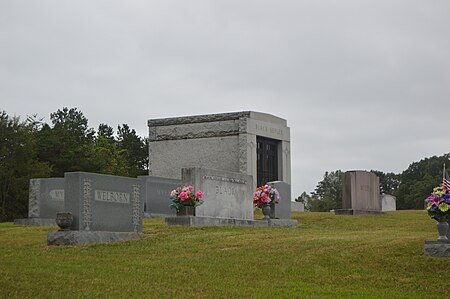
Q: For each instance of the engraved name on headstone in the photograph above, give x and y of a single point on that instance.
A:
(112, 196)
(56, 194)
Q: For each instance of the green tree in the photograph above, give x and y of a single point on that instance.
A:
(71, 145)
(304, 197)
(106, 131)
(328, 192)
(136, 150)
(73, 122)
(315, 204)
(18, 164)
(33, 149)
(68, 145)
(108, 158)
(418, 181)
(389, 182)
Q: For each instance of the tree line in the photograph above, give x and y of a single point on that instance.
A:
(410, 187)
(32, 148)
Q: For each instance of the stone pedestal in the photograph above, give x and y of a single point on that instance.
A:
(437, 248)
(213, 221)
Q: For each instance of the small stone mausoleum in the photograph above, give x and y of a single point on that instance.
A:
(247, 142)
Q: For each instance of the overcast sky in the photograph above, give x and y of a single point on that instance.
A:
(362, 84)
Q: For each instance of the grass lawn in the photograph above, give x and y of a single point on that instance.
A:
(325, 256)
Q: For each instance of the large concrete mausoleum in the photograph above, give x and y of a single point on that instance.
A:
(250, 143)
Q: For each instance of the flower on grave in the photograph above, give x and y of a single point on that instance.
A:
(265, 195)
(438, 203)
(185, 196)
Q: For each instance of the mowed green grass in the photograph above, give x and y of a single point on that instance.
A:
(326, 256)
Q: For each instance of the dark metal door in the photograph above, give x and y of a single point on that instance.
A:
(267, 160)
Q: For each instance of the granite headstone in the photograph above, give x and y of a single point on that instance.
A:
(283, 208)
(388, 203)
(297, 206)
(46, 198)
(360, 193)
(156, 195)
(226, 194)
(103, 202)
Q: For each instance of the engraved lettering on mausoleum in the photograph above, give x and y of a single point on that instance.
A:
(224, 179)
(271, 130)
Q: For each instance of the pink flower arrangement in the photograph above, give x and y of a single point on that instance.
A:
(185, 196)
(265, 195)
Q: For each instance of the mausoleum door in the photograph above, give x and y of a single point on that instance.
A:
(267, 160)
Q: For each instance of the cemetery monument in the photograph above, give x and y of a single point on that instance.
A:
(388, 203)
(105, 208)
(297, 206)
(155, 195)
(227, 200)
(360, 193)
(46, 198)
(246, 143)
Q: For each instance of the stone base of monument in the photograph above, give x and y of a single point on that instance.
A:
(157, 215)
(73, 237)
(214, 221)
(437, 248)
(357, 212)
(36, 221)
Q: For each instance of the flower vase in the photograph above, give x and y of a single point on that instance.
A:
(266, 211)
(442, 227)
(448, 232)
(186, 211)
(272, 211)
(64, 220)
